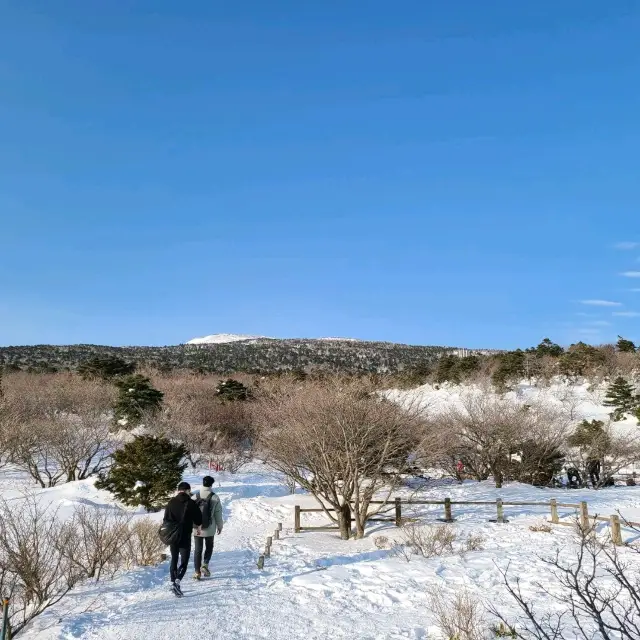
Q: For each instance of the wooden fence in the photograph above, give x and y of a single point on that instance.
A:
(581, 508)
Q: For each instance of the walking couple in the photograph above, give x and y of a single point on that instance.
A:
(197, 513)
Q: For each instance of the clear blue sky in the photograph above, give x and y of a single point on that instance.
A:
(427, 172)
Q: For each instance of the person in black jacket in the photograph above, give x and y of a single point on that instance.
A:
(181, 508)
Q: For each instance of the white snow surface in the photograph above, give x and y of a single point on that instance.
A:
(316, 586)
(221, 338)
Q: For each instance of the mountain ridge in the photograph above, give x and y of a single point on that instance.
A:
(262, 355)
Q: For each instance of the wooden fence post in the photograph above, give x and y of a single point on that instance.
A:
(554, 511)
(276, 534)
(584, 515)
(267, 551)
(279, 526)
(5, 619)
(448, 516)
(296, 523)
(261, 562)
(398, 503)
(616, 531)
(500, 510)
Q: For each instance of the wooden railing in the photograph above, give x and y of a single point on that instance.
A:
(582, 510)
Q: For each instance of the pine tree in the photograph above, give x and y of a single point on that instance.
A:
(511, 368)
(447, 370)
(232, 390)
(620, 396)
(136, 397)
(145, 472)
(548, 348)
(625, 346)
(580, 359)
(105, 368)
(591, 438)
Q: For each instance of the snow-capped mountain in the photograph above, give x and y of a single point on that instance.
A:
(220, 338)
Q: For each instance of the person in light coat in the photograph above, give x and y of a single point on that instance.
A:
(203, 536)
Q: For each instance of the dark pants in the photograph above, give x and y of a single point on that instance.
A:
(208, 551)
(182, 552)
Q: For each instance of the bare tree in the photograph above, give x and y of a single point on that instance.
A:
(598, 595)
(96, 539)
(143, 546)
(57, 427)
(33, 560)
(482, 431)
(211, 429)
(341, 443)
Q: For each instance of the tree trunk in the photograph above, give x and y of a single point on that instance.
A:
(360, 522)
(497, 476)
(344, 521)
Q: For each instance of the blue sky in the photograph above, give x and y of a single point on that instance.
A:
(457, 173)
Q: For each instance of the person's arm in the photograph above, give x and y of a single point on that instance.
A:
(217, 515)
(196, 514)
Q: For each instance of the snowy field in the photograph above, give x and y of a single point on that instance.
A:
(315, 585)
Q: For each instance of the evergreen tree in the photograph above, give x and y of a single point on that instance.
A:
(447, 370)
(591, 437)
(580, 359)
(136, 397)
(548, 348)
(625, 346)
(145, 472)
(232, 390)
(105, 368)
(511, 368)
(538, 464)
(620, 396)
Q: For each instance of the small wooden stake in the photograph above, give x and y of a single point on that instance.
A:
(554, 512)
(296, 525)
(276, 534)
(267, 551)
(261, 562)
(398, 503)
(279, 526)
(616, 531)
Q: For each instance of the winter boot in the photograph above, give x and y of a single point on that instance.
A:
(205, 570)
(175, 587)
(197, 576)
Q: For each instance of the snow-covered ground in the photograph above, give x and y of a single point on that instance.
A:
(314, 585)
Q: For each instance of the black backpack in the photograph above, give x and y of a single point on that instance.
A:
(205, 509)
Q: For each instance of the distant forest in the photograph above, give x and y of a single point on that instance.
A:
(255, 356)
